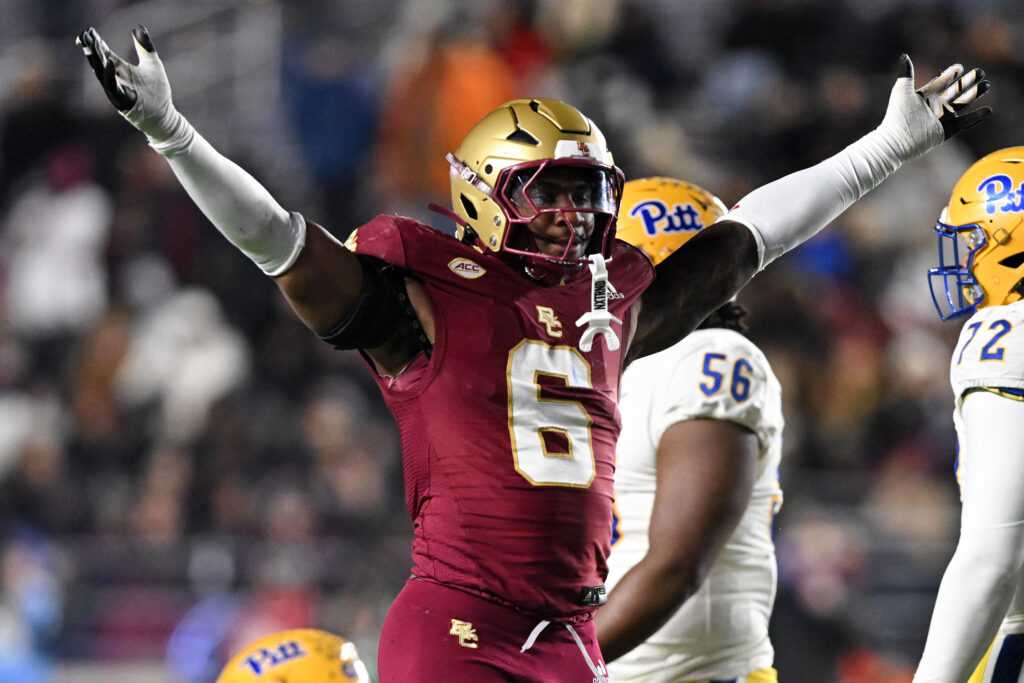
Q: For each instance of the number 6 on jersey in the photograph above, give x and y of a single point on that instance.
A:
(550, 437)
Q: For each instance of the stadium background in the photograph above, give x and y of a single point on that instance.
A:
(184, 467)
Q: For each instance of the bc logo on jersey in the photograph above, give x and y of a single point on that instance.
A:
(546, 317)
(1000, 187)
(465, 632)
(657, 218)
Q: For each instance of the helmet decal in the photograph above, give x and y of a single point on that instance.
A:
(296, 656)
(659, 215)
(999, 188)
(981, 250)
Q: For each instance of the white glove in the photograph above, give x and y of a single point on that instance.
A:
(241, 208)
(790, 210)
(917, 121)
(141, 93)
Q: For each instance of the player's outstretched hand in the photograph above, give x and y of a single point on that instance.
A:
(923, 118)
(141, 93)
(950, 93)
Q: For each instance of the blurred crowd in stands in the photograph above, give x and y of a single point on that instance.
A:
(184, 466)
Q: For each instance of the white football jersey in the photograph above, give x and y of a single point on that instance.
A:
(990, 352)
(989, 358)
(722, 630)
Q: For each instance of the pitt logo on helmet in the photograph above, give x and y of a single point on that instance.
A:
(296, 655)
(263, 658)
(659, 215)
(466, 268)
(999, 187)
(981, 238)
(657, 218)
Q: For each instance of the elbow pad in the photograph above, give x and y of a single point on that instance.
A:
(378, 312)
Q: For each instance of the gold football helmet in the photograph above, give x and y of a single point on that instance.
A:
(503, 171)
(981, 250)
(296, 656)
(659, 215)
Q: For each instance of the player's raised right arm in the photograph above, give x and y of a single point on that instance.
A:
(777, 217)
(320, 277)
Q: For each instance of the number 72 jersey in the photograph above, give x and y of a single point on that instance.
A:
(990, 351)
(508, 430)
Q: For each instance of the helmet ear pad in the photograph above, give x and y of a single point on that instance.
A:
(484, 217)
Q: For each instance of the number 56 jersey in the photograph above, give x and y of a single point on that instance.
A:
(508, 430)
(721, 631)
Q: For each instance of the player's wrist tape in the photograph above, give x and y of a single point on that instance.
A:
(238, 206)
(791, 210)
(177, 138)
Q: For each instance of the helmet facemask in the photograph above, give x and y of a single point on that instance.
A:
(955, 289)
(542, 198)
(981, 243)
(498, 177)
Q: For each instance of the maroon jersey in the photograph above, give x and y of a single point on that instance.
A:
(508, 430)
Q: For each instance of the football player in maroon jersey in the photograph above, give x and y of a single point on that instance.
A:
(499, 350)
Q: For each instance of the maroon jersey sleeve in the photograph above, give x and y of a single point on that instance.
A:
(508, 429)
(380, 238)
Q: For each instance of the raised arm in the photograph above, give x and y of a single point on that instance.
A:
(326, 284)
(771, 220)
(320, 276)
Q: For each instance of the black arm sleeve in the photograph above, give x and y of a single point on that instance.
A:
(381, 309)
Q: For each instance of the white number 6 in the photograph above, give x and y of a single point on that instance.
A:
(533, 419)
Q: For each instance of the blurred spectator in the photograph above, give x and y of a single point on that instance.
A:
(183, 357)
(450, 61)
(332, 101)
(53, 242)
(38, 120)
(30, 607)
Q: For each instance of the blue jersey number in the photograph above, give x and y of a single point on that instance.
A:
(989, 351)
(739, 382)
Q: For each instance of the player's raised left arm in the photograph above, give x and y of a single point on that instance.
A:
(320, 278)
(771, 220)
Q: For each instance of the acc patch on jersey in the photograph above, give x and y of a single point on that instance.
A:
(468, 269)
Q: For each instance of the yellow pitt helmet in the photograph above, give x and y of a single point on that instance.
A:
(981, 248)
(498, 168)
(659, 215)
(296, 656)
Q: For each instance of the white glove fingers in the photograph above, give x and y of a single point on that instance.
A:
(113, 73)
(943, 80)
(951, 92)
(969, 88)
(106, 54)
(140, 92)
(85, 41)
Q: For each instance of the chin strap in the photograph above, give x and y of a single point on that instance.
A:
(599, 319)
